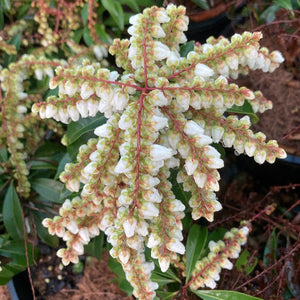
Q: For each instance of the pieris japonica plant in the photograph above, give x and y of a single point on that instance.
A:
(164, 112)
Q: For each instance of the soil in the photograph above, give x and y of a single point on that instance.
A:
(51, 280)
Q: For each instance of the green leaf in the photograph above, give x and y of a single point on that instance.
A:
(3, 155)
(41, 165)
(48, 189)
(117, 269)
(132, 4)
(77, 129)
(186, 48)
(42, 232)
(166, 295)
(12, 214)
(61, 166)
(22, 10)
(243, 264)
(270, 251)
(194, 246)
(5, 275)
(223, 295)
(103, 36)
(286, 4)
(16, 40)
(1, 15)
(202, 3)
(77, 35)
(85, 13)
(116, 11)
(87, 37)
(246, 108)
(16, 251)
(268, 15)
(95, 247)
(177, 189)
(160, 279)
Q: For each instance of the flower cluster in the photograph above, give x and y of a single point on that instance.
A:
(21, 134)
(163, 112)
(207, 270)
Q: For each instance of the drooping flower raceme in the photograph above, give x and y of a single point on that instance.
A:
(163, 112)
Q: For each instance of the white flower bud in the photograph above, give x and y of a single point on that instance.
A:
(129, 227)
(38, 74)
(84, 235)
(175, 246)
(190, 165)
(51, 110)
(160, 51)
(86, 90)
(203, 70)
(157, 31)
(164, 263)
(82, 108)
(73, 113)
(192, 128)
(103, 131)
(158, 152)
(124, 256)
(260, 156)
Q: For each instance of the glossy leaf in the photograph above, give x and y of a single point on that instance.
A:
(223, 295)
(48, 189)
(77, 129)
(117, 269)
(194, 246)
(5, 275)
(115, 10)
(65, 159)
(85, 13)
(202, 3)
(17, 252)
(160, 279)
(186, 48)
(42, 232)
(166, 295)
(95, 246)
(12, 214)
(246, 108)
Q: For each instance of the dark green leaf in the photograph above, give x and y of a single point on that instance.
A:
(77, 35)
(5, 275)
(186, 48)
(87, 37)
(178, 189)
(78, 268)
(166, 295)
(77, 129)
(160, 279)
(116, 11)
(286, 4)
(194, 246)
(22, 10)
(16, 40)
(42, 232)
(103, 36)
(268, 15)
(117, 269)
(246, 108)
(220, 149)
(41, 165)
(12, 214)
(202, 3)
(16, 250)
(85, 13)
(243, 264)
(3, 155)
(49, 189)
(61, 166)
(1, 15)
(132, 4)
(223, 295)
(95, 247)
(271, 249)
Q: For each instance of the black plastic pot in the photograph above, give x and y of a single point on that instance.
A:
(19, 287)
